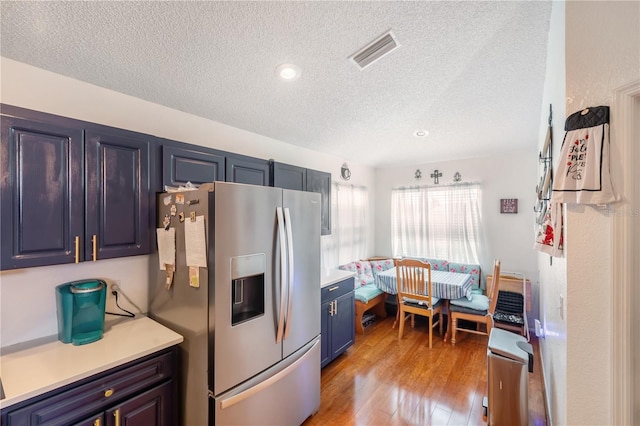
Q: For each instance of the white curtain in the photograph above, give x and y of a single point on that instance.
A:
(349, 225)
(441, 222)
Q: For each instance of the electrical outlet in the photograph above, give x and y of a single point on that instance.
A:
(539, 329)
(561, 307)
(115, 286)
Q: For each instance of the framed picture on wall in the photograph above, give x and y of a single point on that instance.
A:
(508, 205)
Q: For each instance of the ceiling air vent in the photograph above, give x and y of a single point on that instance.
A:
(374, 50)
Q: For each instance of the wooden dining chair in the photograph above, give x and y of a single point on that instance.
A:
(478, 310)
(414, 295)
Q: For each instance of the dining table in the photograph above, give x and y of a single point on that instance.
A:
(446, 285)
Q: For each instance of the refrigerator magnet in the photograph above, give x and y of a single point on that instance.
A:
(167, 200)
(174, 210)
(169, 269)
(194, 276)
(179, 198)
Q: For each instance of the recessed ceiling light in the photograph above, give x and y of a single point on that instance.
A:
(288, 72)
(420, 133)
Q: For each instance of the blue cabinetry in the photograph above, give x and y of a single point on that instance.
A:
(71, 190)
(142, 392)
(337, 319)
(249, 170)
(294, 177)
(182, 163)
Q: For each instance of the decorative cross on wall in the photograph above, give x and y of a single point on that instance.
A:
(435, 175)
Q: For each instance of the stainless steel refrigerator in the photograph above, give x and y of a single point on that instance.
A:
(251, 317)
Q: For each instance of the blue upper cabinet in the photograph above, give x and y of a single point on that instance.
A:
(182, 163)
(117, 193)
(42, 212)
(71, 191)
(289, 177)
(253, 171)
(318, 181)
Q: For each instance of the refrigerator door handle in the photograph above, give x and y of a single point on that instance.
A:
(287, 221)
(283, 273)
(233, 400)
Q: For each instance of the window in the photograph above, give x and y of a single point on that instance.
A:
(350, 225)
(441, 222)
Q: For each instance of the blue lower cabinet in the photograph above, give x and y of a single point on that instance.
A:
(141, 392)
(338, 319)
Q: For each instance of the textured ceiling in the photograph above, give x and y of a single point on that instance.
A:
(470, 73)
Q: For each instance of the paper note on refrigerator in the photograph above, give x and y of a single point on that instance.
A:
(166, 246)
(194, 242)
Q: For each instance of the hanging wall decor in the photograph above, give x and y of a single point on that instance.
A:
(508, 205)
(345, 173)
(549, 220)
(582, 174)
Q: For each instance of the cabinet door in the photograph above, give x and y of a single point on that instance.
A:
(249, 170)
(342, 324)
(151, 408)
(41, 193)
(321, 182)
(196, 165)
(325, 321)
(118, 194)
(289, 177)
(97, 420)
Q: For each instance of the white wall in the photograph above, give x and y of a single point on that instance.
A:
(509, 237)
(553, 277)
(602, 54)
(27, 300)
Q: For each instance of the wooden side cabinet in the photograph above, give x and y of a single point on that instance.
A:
(337, 331)
(142, 392)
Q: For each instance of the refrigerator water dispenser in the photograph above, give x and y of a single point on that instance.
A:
(247, 287)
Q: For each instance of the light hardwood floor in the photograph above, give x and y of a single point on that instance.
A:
(381, 380)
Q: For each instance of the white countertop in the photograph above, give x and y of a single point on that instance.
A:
(331, 276)
(31, 372)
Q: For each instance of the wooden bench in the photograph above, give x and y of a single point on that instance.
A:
(376, 305)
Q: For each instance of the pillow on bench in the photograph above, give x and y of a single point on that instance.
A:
(378, 266)
(473, 270)
(436, 264)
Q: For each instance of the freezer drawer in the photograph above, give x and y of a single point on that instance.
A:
(285, 394)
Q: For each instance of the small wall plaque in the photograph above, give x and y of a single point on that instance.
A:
(508, 205)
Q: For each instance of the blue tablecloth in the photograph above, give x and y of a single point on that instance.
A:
(446, 285)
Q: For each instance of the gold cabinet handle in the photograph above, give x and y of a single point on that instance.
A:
(77, 249)
(96, 422)
(116, 414)
(108, 392)
(94, 243)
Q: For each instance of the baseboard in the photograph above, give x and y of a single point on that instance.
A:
(547, 407)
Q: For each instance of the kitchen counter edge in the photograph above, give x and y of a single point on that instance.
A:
(31, 372)
(332, 276)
